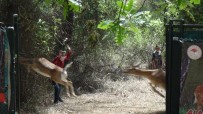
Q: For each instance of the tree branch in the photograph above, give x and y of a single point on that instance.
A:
(141, 6)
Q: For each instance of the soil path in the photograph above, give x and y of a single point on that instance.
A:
(123, 97)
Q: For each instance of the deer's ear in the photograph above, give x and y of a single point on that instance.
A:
(137, 65)
(158, 73)
(154, 73)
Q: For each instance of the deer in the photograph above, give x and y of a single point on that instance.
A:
(198, 94)
(155, 76)
(46, 68)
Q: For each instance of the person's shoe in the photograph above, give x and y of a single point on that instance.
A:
(60, 100)
(55, 102)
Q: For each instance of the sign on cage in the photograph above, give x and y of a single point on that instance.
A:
(184, 63)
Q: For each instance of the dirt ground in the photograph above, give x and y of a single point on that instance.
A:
(133, 96)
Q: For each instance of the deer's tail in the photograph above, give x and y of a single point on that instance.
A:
(68, 66)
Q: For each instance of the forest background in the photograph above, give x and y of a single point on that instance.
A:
(105, 36)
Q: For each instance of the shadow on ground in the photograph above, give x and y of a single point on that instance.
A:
(157, 112)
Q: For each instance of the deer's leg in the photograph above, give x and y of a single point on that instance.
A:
(156, 91)
(68, 93)
(71, 88)
(67, 88)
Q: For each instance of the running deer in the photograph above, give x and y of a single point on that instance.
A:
(50, 70)
(198, 93)
(156, 77)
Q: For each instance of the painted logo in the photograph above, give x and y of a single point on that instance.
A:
(194, 52)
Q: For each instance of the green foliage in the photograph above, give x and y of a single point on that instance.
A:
(71, 5)
(129, 6)
(44, 38)
(75, 7)
(116, 26)
(130, 19)
(125, 7)
(195, 1)
(66, 5)
(191, 1)
(120, 34)
(186, 6)
(129, 23)
(105, 24)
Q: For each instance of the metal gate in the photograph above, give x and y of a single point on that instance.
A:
(184, 68)
(9, 80)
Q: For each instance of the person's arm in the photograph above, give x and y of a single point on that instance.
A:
(153, 56)
(68, 55)
(161, 62)
(55, 59)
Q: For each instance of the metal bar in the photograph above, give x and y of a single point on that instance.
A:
(15, 21)
(169, 34)
(1, 24)
(182, 29)
(177, 20)
(187, 25)
(12, 107)
(172, 64)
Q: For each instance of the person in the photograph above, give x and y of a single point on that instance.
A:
(60, 60)
(156, 58)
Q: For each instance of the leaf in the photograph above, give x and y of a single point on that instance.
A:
(119, 39)
(120, 35)
(48, 2)
(158, 3)
(61, 2)
(134, 29)
(179, 2)
(195, 1)
(183, 5)
(105, 24)
(75, 2)
(119, 3)
(190, 15)
(129, 5)
(133, 11)
(65, 10)
(75, 6)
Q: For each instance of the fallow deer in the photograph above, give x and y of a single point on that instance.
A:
(156, 77)
(50, 70)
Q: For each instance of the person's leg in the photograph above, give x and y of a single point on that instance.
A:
(56, 93)
(153, 65)
(59, 91)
